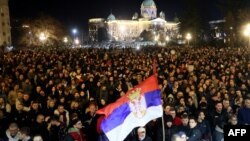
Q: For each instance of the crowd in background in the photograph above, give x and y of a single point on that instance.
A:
(54, 94)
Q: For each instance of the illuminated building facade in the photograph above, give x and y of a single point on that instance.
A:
(128, 30)
(94, 25)
(217, 29)
(5, 34)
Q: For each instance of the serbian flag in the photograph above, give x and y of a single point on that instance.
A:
(136, 108)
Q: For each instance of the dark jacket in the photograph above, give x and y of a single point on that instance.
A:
(102, 137)
(7, 137)
(145, 139)
(20, 117)
(30, 139)
(40, 129)
(58, 133)
(205, 129)
(194, 134)
(183, 128)
(244, 116)
(168, 133)
(218, 119)
(90, 124)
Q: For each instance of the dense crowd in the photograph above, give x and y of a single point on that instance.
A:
(54, 94)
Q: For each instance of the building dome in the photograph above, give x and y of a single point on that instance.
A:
(111, 17)
(148, 3)
(148, 9)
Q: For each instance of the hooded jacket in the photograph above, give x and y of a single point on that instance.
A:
(8, 137)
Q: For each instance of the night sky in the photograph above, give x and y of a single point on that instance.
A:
(75, 13)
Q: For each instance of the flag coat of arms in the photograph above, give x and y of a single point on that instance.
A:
(136, 108)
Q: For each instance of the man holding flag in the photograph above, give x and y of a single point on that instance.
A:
(139, 106)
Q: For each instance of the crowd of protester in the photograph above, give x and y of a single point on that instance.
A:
(53, 95)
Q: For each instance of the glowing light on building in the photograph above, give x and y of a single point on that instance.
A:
(167, 38)
(77, 41)
(129, 30)
(246, 33)
(188, 37)
(65, 40)
(42, 36)
(137, 47)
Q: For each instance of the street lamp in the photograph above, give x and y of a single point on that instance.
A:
(74, 31)
(188, 37)
(247, 33)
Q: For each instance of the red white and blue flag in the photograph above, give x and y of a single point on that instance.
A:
(139, 106)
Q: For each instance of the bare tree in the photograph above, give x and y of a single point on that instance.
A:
(48, 27)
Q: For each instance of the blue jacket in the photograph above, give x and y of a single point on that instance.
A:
(244, 116)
